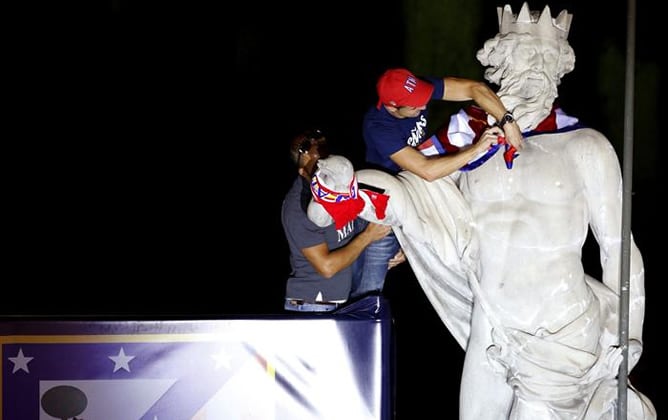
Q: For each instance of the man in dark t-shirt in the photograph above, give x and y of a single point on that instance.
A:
(320, 257)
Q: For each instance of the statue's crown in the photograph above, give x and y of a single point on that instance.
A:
(533, 22)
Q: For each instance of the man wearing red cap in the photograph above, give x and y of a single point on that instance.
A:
(394, 129)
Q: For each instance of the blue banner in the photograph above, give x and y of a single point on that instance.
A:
(334, 366)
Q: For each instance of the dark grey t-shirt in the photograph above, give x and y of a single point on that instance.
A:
(304, 281)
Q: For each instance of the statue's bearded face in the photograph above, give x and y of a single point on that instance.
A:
(528, 70)
(531, 69)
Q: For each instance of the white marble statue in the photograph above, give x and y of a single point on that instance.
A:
(498, 249)
(544, 339)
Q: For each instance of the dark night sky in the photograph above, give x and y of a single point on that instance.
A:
(170, 206)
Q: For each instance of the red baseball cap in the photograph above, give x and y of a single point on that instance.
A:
(403, 88)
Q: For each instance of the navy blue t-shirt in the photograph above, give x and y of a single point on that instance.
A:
(385, 135)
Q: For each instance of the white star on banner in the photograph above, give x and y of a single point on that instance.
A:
(20, 361)
(121, 361)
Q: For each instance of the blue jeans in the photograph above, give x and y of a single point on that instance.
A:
(301, 306)
(370, 269)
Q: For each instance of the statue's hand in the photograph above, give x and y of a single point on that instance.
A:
(318, 215)
(635, 351)
(398, 258)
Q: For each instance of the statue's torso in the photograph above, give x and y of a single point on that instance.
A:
(532, 221)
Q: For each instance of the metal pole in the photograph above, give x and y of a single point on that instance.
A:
(626, 214)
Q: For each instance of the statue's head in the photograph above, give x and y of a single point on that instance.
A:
(547, 36)
(338, 198)
(334, 189)
(334, 179)
(527, 58)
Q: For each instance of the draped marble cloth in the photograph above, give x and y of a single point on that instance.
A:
(440, 247)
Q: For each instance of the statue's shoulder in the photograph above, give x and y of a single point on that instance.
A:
(588, 144)
(585, 137)
(589, 134)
